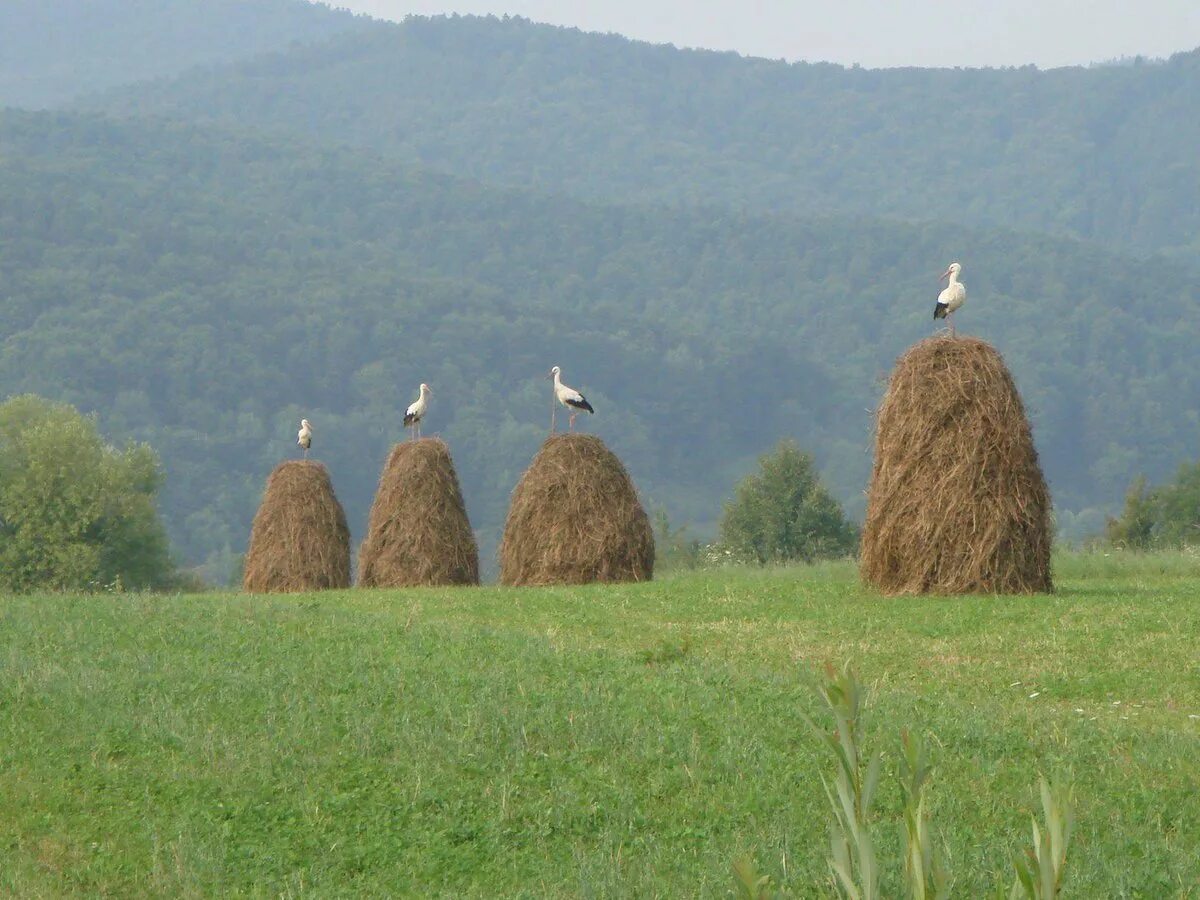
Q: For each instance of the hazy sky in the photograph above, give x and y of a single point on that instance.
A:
(870, 32)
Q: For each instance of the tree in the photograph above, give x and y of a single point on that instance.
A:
(1165, 516)
(782, 512)
(674, 548)
(1134, 529)
(75, 513)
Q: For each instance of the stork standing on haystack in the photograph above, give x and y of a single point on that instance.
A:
(568, 397)
(951, 298)
(304, 436)
(416, 412)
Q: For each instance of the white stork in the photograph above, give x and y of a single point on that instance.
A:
(951, 298)
(416, 412)
(304, 436)
(568, 397)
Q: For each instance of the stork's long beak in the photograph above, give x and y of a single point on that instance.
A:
(945, 274)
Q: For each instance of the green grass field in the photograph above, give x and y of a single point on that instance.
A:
(594, 742)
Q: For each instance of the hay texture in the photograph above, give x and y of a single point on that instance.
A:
(418, 532)
(957, 502)
(575, 518)
(299, 540)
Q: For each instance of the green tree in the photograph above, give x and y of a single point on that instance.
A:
(674, 548)
(75, 513)
(1165, 516)
(1178, 522)
(782, 512)
(1134, 528)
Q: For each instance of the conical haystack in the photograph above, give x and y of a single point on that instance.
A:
(575, 518)
(957, 502)
(299, 540)
(418, 533)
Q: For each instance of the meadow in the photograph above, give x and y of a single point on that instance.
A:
(591, 742)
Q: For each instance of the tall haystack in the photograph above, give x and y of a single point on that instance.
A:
(418, 532)
(299, 540)
(957, 502)
(575, 518)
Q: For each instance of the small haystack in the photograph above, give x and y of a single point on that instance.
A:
(418, 533)
(575, 518)
(957, 502)
(299, 540)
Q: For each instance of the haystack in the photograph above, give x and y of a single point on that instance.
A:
(957, 502)
(418, 532)
(575, 518)
(299, 540)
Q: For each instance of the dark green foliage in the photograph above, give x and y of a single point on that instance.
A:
(53, 50)
(75, 514)
(203, 290)
(783, 513)
(1163, 517)
(1107, 154)
(1134, 528)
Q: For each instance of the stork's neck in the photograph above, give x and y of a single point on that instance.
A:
(557, 380)
(953, 278)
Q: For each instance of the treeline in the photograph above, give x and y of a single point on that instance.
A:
(1166, 516)
(203, 290)
(1104, 154)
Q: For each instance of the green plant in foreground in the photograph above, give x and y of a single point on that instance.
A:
(852, 862)
(749, 884)
(925, 868)
(852, 853)
(1040, 868)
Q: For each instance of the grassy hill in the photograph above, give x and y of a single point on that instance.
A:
(1104, 154)
(599, 741)
(54, 50)
(201, 291)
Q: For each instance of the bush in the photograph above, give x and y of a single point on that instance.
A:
(75, 513)
(674, 548)
(782, 513)
(1164, 517)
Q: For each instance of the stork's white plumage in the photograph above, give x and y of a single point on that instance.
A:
(952, 297)
(568, 397)
(304, 436)
(416, 411)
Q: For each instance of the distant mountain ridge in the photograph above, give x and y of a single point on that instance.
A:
(1105, 154)
(52, 51)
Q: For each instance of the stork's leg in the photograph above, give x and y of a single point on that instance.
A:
(571, 427)
(553, 418)
(953, 333)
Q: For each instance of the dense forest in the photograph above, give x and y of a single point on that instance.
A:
(1105, 154)
(53, 50)
(203, 289)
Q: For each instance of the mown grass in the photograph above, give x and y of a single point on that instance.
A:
(596, 742)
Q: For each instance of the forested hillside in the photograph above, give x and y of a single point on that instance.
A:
(1105, 154)
(53, 50)
(203, 290)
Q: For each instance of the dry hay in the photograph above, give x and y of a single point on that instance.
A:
(957, 502)
(418, 532)
(299, 540)
(575, 518)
